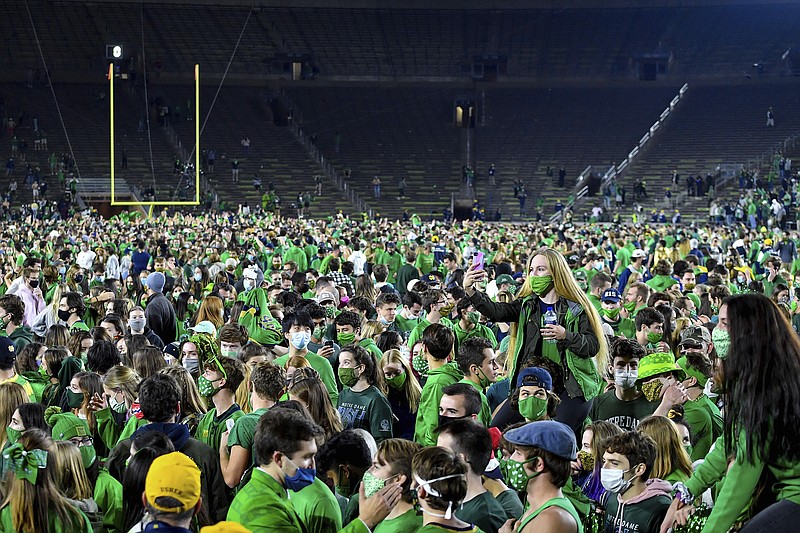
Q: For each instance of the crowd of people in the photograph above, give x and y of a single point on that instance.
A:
(229, 372)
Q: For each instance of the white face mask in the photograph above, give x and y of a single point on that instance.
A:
(613, 481)
(433, 492)
(300, 339)
(625, 378)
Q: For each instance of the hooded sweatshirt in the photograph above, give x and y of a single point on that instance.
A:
(428, 412)
(642, 514)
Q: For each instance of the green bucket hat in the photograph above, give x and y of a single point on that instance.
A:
(692, 372)
(658, 363)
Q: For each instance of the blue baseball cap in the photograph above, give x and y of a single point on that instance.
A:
(549, 435)
(611, 295)
(535, 376)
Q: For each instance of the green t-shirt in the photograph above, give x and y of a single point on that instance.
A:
(706, 422)
(243, 431)
(368, 409)
(317, 508)
(408, 522)
(511, 504)
(483, 511)
(626, 415)
(321, 365)
(624, 328)
(211, 426)
(478, 331)
(405, 324)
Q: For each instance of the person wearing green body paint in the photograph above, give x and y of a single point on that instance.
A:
(34, 502)
(267, 385)
(217, 384)
(437, 347)
(477, 361)
(540, 468)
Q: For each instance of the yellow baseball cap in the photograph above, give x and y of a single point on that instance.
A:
(225, 527)
(173, 475)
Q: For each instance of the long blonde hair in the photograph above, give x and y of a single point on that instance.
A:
(566, 287)
(411, 388)
(72, 479)
(35, 505)
(670, 454)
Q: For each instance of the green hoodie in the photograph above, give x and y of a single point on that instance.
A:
(428, 412)
(21, 337)
(369, 345)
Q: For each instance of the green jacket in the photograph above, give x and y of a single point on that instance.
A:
(428, 412)
(741, 480)
(576, 350)
(317, 508)
(370, 346)
(38, 383)
(108, 495)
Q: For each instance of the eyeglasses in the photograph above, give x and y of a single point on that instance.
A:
(82, 441)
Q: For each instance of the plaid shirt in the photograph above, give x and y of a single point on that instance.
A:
(341, 279)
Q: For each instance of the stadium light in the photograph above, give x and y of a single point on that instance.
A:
(116, 51)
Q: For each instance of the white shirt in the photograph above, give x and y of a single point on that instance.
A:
(86, 259)
(359, 260)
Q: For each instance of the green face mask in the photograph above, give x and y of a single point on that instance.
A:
(346, 338)
(12, 435)
(397, 381)
(533, 408)
(689, 449)
(517, 477)
(347, 376)
(611, 313)
(319, 331)
(722, 342)
(420, 364)
(473, 317)
(653, 337)
(74, 399)
(540, 285)
(629, 306)
(43, 372)
(341, 488)
(206, 387)
(89, 455)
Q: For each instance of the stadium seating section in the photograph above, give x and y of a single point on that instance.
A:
(386, 82)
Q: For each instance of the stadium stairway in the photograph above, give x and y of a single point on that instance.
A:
(715, 125)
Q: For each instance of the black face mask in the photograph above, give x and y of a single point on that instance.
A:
(34, 283)
(78, 278)
(64, 315)
(444, 420)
